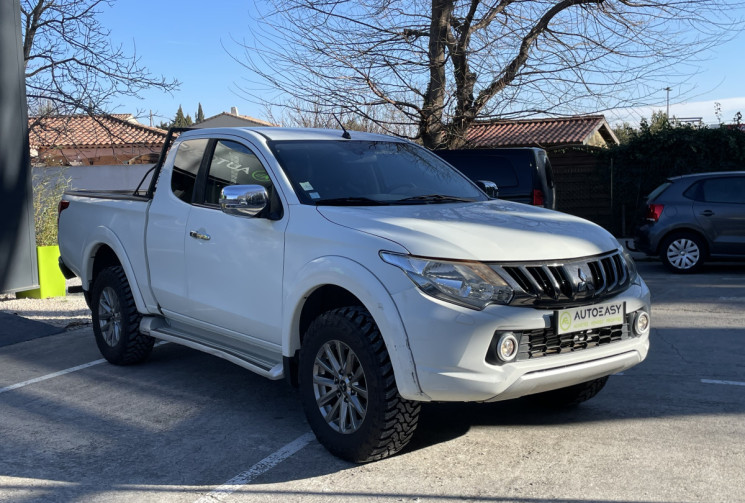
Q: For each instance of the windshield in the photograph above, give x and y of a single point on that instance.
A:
(365, 173)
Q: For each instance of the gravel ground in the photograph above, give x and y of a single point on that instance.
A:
(69, 312)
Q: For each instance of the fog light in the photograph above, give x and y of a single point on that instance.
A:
(507, 347)
(641, 322)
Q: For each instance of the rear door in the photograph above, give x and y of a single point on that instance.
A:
(166, 227)
(720, 210)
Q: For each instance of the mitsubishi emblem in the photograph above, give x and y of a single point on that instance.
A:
(584, 284)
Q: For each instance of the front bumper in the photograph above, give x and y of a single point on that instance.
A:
(450, 345)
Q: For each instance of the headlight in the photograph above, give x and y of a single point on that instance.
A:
(469, 284)
(631, 266)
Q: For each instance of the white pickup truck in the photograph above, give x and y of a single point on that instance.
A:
(362, 268)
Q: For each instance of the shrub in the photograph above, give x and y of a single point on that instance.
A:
(49, 185)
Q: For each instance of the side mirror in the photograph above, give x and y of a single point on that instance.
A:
(243, 200)
(489, 187)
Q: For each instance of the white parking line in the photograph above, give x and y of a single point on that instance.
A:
(60, 373)
(259, 468)
(731, 383)
(50, 376)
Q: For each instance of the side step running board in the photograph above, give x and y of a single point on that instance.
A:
(156, 327)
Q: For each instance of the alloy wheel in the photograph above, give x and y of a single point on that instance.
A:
(110, 316)
(340, 387)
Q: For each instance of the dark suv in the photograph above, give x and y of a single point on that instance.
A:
(692, 218)
(522, 174)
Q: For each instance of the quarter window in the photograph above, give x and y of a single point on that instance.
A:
(185, 168)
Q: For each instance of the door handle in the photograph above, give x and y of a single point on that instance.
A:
(707, 213)
(199, 235)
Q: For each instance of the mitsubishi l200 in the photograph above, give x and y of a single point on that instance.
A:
(360, 267)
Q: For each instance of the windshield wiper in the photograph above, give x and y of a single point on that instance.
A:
(433, 198)
(349, 201)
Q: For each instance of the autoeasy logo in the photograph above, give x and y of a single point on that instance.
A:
(260, 175)
(597, 312)
(566, 321)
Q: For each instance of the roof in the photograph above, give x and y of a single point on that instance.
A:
(84, 131)
(295, 134)
(711, 174)
(546, 132)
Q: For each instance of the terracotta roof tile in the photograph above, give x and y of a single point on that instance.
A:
(82, 131)
(538, 132)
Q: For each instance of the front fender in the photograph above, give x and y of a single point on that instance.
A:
(363, 284)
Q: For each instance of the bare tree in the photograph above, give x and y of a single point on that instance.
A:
(70, 65)
(442, 64)
(295, 113)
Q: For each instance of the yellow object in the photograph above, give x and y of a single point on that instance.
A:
(51, 281)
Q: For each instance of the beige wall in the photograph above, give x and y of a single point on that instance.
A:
(93, 156)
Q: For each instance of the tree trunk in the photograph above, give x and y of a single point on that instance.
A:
(431, 128)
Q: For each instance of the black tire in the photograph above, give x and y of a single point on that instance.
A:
(362, 418)
(571, 396)
(116, 322)
(683, 252)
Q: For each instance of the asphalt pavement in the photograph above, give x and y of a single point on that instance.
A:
(189, 427)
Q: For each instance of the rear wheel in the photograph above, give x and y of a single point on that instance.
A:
(683, 252)
(572, 395)
(348, 389)
(116, 322)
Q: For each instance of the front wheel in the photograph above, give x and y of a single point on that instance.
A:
(348, 389)
(116, 322)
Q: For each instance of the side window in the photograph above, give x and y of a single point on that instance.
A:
(185, 168)
(233, 164)
(724, 190)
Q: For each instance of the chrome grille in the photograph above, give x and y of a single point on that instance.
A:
(571, 282)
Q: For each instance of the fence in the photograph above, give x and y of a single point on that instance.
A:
(584, 186)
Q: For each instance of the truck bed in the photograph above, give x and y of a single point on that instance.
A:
(122, 195)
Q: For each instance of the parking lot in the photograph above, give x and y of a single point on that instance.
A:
(187, 427)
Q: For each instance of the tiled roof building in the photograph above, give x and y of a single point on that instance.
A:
(82, 139)
(591, 130)
(232, 119)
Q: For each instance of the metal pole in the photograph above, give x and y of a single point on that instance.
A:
(667, 114)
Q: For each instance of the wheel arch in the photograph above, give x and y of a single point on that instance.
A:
(103, 251)
(331, 282)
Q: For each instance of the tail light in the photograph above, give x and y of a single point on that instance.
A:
(538, 197)
(654, 211)
(63, 205)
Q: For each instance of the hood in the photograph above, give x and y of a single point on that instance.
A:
(490, 231)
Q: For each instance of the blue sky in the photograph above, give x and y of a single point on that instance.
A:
(184, 40)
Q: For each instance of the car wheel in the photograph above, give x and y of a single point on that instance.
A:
(348, 389)
(683, 253)
(571, 396)
(116, 322)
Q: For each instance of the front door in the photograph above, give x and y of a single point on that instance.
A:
(234, 265)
